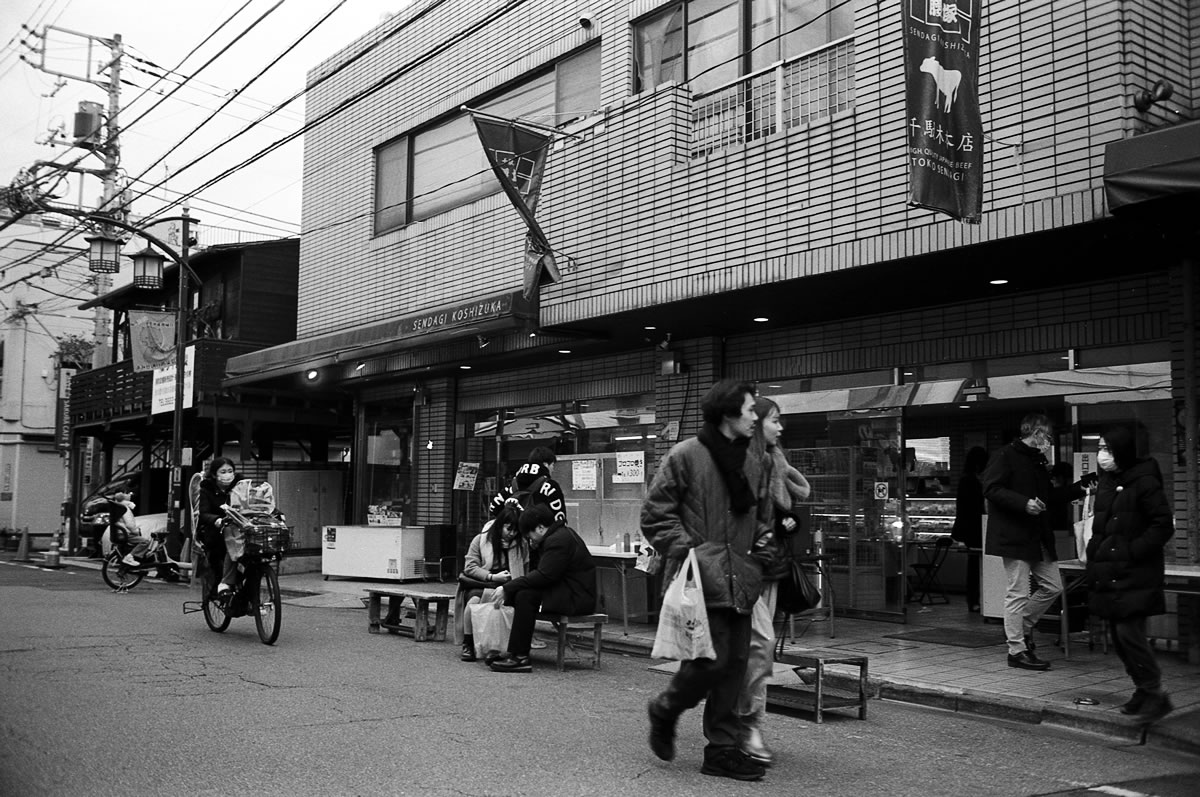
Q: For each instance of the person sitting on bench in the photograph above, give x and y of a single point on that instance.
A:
(562, 580)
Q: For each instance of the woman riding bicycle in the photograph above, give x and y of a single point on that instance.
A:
(216, 491)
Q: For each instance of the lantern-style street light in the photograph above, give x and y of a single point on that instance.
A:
(103, 252)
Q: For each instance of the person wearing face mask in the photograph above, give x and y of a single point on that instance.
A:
(1125, 563)
(497, 555)
(1016, 486)
(216, 491)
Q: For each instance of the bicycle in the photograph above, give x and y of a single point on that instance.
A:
(256, 590)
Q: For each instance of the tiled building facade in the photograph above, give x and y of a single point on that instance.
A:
(684, 208)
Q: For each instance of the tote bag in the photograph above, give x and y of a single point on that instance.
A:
(1083, 527)
(683, 631)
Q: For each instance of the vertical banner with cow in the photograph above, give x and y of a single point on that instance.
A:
(945, 134)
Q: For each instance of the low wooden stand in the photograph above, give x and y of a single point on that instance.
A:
(816, 699)
(562, 622)
(420, 599)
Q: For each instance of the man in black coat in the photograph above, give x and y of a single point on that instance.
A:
(562, 581)
(1016, 484)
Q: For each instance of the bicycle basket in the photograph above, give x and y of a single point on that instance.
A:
(269, 540)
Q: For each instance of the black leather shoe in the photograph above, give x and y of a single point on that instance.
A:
(733, 764)
(510, 663)
(1026, 661)
(1155, 708)
(468, 650)
(1135, 702)
(662, 730)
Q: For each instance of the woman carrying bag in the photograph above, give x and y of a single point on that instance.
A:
(497, 555)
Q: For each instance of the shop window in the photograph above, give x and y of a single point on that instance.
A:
(388, 471)
(443, 166)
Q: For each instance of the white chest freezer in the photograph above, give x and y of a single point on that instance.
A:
(378, 552)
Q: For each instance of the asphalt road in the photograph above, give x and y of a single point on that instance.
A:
(106, 694)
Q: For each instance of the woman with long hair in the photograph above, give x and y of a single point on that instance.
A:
(783, 488)
(495, 556)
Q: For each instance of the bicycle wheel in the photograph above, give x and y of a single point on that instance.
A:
(266, 605)
(117, 575)
(214, 610)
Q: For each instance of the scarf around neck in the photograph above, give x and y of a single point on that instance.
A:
(730, 458)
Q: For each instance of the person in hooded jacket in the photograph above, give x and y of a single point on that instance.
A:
(536, 478)
(1125, 563)
(216, 491)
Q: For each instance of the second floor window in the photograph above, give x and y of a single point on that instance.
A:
(443, 166)
(709, 43)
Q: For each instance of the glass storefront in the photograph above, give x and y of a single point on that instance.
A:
(388, 465)
(603, 448)
(884, 460)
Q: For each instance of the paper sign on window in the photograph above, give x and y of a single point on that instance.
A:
(583, 474)
(631, 467)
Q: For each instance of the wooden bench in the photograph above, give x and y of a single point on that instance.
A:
(420, 599)
(817, 699)
(562, 622)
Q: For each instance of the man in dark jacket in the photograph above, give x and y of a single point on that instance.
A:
(562, 581)
(1016, 484)
(1125, 563)
(703, 497)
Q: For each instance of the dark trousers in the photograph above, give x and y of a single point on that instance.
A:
(526, 603)
(1129, 640)
(720, 680)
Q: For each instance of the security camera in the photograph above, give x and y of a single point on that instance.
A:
(586, 19)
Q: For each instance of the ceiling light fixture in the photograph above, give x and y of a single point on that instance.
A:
(998, 282)
(762, 319)
(360, 366)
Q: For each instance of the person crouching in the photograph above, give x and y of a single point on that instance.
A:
(562, 581)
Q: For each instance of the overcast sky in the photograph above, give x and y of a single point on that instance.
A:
(162, 33)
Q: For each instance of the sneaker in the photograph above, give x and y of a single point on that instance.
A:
(511, 663)
(733, 764)
(1155, 708)
(1135, 702)
(756, 749)
(662, 730)
(1026, 661)
(129, 560)
(537, 644)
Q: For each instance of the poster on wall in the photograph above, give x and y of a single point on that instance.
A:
(162, 395)
(945, 132)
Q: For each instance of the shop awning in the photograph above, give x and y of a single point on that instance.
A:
(428, 328)
(1154, 165)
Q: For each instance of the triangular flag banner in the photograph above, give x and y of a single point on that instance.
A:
(517, 155)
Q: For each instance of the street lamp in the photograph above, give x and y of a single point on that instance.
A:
(147, 273)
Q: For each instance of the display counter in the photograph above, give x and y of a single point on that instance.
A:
(376, 552)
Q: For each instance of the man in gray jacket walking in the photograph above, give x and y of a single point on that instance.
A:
(704, 497)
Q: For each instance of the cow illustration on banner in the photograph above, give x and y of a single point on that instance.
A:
(945, 133)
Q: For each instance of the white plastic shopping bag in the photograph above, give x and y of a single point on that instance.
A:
(1083, 527)
(683, 630)
(490, 625)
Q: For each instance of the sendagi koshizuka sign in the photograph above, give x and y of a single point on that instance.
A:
(464, 314)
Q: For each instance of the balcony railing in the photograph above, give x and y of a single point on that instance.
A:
(116, 391)
(789, 94)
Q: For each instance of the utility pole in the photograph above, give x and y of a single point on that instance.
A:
(109, 149)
